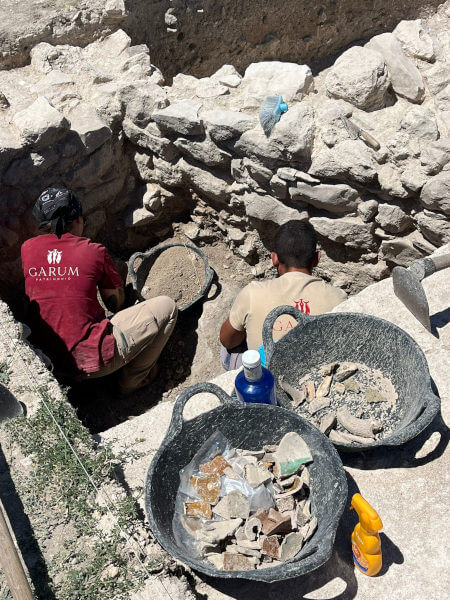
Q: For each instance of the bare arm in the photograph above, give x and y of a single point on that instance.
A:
(231, 337)
(113, 299)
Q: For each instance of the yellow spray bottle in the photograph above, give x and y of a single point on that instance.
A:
(366, 543)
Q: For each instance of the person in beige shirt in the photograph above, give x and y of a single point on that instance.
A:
(295, 255)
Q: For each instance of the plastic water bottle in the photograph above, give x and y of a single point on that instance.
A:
(255, 383)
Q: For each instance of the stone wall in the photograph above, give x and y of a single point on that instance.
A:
(141, 155)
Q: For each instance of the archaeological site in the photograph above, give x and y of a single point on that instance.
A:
(151, 113)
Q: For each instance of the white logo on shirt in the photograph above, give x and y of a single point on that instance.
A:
(54, 256)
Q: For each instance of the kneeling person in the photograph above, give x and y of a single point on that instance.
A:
(63, 272)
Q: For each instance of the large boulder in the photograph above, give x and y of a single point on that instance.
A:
(140, 100)
(268, 209)
(392, 218)
(338, 198)
(293, 135)
(416, 39)
(40, 124)
(204, 151)
(437, 77)
(225, 125)
(435, 193)
(181, 118)
(91, 129)
(204, 181)
(406, 79)
(350, 231)
(150, 138)
(347, 160)
(274, 78)
(420, 122)
(389, 179)
(359, 76)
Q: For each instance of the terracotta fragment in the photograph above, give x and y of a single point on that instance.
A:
(253, 545)
(304, 379)
(237, 562)
(373, 395)
(324, 387)
(258, 454)
(285, 503)
(198, 509)
(228, 472)
(248, 551)
(348, 438)
(207, 486)
(270, 527)
(361, 427)
(271, 546)
(252, 528)
(292, 452)
(351, 385)
(308, 529)
(295, 487)
(233, 505)
(216, 465)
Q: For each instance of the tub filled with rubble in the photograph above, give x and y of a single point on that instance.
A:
(244, 509)
(348, 401)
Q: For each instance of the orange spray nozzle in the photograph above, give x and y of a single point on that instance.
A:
(368, 517)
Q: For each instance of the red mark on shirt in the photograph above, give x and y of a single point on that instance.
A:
(303, 305)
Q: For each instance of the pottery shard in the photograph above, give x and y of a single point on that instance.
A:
(217, 465)
(309, 529)
(351, 385)
(373, 395)
(327, 369)
(219, 530)
(342, 437)
(250, 544)
(283, 525)
(292, 452)
(247, 551)
(297, 396)
(207, 486)
(327, 423)
(295, 485)
(237, 562)
(292, 544)
(256, 475)
(198, 509)
(309, 390)
(285, 503)
(362, 427)
(233, 505)
(345, 371)
(270, 546)
(324, 387)
(216, 560)
(339, 388)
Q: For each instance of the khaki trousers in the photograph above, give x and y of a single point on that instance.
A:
(140, 332)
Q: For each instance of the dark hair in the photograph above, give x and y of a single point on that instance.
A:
(58, 208)
(296, 244)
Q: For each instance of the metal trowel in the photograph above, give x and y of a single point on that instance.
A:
(408, 287)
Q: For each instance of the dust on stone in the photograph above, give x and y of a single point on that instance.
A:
(178, 273)
(349, 402)
(246, 509)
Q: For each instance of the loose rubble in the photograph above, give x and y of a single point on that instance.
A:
(349, 402)
(246, 509)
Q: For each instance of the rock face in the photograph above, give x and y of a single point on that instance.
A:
(368, 166)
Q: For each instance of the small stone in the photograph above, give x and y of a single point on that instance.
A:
(237, 562)
(339, 388)
(298, 396)
(345, 371)
(256, 475)
(351, 385)
(309, 390)
(327, 369)
(207, 486)
(198, 509)
(324, 387)
(111, 572)
(285, 503)
(291, 546)
(217, 465)
(233, 505)
(318, 404)
(327, 423)
(270, 546)
(373, 395)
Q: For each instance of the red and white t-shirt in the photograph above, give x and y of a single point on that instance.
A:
(61, 277)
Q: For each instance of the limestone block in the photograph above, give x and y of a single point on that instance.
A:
(406, 79)
(105, 98)
(42, 57)
(420, 122)
(279, 187)
(434, 227)
(103, 194)
(40, 124)
(167, 173)
(350, 159)
(434, 156)
(367, 210)
(392, 218)
(205, 181)
(204, 151)
(413, 177)
(137, 67)
(273, 78)
(181, 118)
(416, 39)
(359, 76)
(145, 138)
(399, 251)
(91, 129)
(350, 231)
(227, 75)
(56, 86)
(91, 169)
(389, 178)
(210, 88)
(267, 208)
(442, 100)
(113, 45)
(338, 198)
(255, 145)
(29, 167)
(152, 198)
(257, 172)
(139, 217)
(293, 136)
(224, 125)
(144, 165)
(140, 100)
(437, 77)
(435, 193)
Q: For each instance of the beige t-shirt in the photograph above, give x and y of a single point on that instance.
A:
(309, 294)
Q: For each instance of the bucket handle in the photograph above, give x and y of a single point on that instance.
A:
(177, 421)
(269, 322)
(419, 424)
(131, 271)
